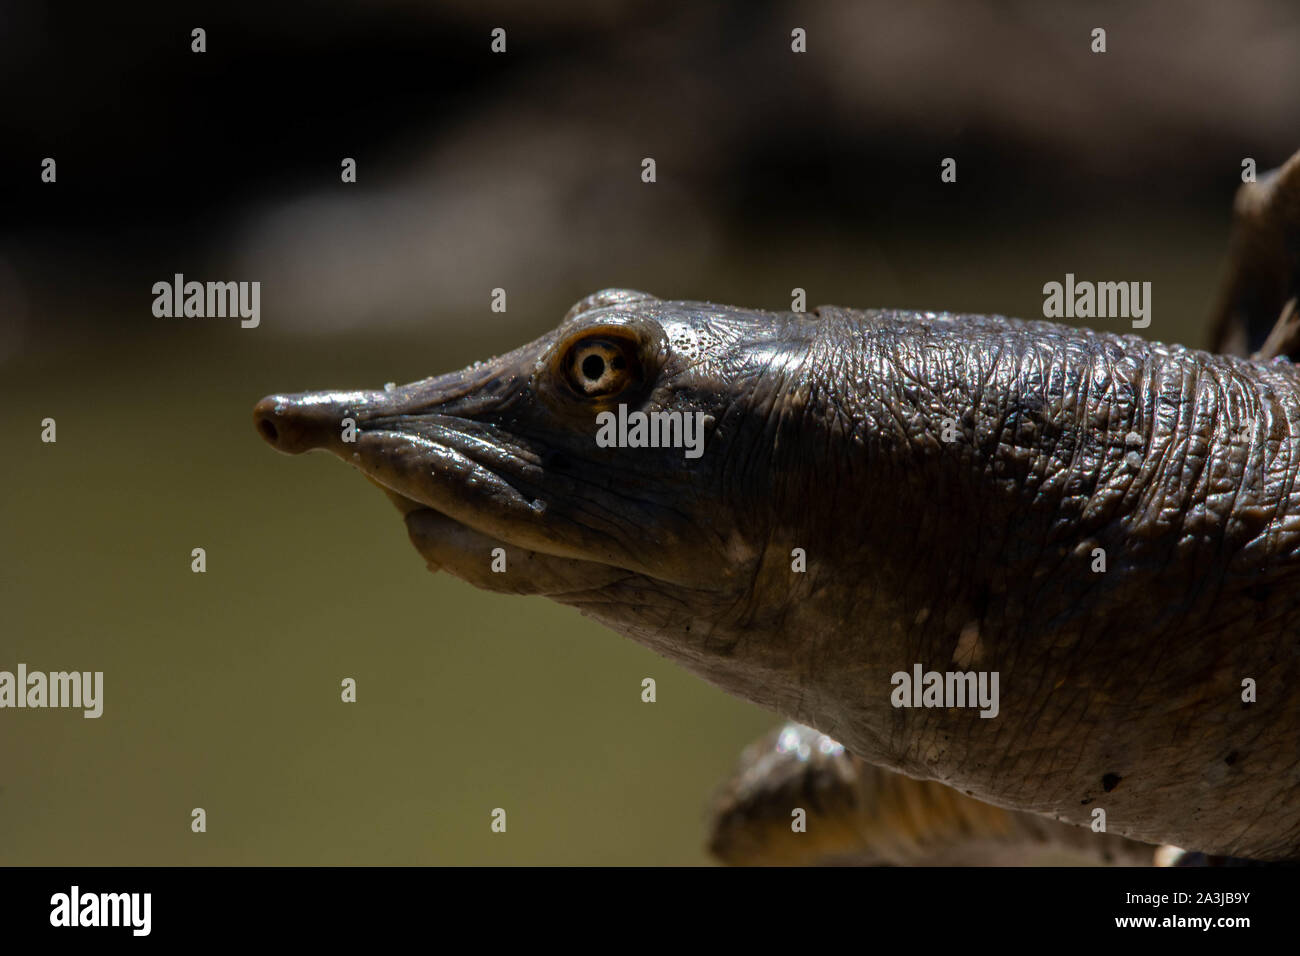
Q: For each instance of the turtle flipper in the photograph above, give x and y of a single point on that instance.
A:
(1263, 269)
(858, 814)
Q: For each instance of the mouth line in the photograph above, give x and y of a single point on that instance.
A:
(455, 471)
(455, 465)
(407, 506)
(441, 468)
(577, 594)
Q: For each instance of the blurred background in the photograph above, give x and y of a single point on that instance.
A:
(475, 171)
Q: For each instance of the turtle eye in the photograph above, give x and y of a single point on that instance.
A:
(600, 367)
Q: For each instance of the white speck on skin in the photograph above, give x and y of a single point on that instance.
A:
(829, 746)
(969, 649)
(788, 741)
(738, 549)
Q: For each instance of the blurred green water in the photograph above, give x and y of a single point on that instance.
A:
(222, 689)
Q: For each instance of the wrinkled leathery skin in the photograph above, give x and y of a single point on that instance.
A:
(1119, 690)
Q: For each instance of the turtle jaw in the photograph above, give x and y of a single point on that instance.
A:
(496, 565)
(489, 513)
(475, 498)
(491, 563)
(433, 443)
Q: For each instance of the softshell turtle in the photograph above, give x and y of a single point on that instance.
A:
(1107, 527)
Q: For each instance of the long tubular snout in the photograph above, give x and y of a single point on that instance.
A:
(300, 422)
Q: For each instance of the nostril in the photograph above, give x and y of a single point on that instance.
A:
(269, 421)
(293, 424)
(268, 430)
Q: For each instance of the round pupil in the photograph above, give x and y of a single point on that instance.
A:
(593, 367)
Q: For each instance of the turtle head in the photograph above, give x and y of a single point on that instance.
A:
(589, 465)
